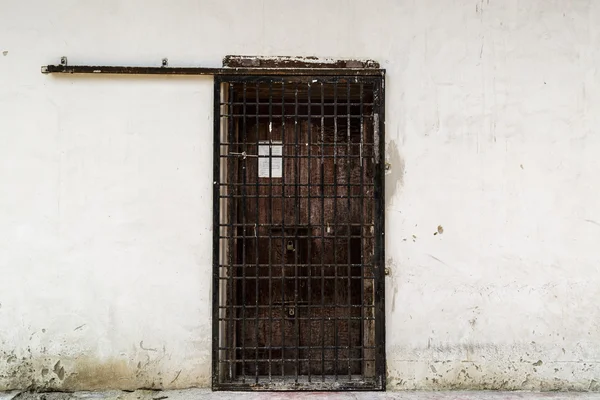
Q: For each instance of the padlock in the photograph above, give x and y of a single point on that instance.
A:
(290, 246)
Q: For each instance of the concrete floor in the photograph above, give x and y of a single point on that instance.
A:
(200, 394)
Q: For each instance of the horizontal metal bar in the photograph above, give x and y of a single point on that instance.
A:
(313, 185)
(328, 320)
(130, 70)
(315, 347)
(319, 383)
(292, 117)
(278, 226)
(293, 236)
(293, 278)
(278, 307)
(288, 197)
(315, 104)
(290, 360)
(312, 157)
(302, 266)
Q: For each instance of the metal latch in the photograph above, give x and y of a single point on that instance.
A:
(243, 154)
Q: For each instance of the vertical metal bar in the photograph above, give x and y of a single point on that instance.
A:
(349, 232)
(379, 129)
(322, 232)
(243, 302)
(309, 258)
(335, 226)
(270, 135)
(296, 244)
(362, 227)
(256, 233)
(231, 222)
(216, 229)
(283, 248)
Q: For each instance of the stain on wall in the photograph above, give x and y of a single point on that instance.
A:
(486, 366)
(89, 373)
(394, 179)
(512, 375)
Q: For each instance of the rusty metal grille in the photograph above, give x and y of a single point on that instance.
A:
(298, 290)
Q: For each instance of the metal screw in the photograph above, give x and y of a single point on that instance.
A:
(63, 61)
(386, 271)
(165, 62)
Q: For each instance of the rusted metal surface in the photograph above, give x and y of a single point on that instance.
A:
(298, 261)
(235, 61)
(132, 70)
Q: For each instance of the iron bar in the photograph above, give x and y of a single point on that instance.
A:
(309, 219)
(362, 228)
(256, 220)
(349, 232)
(283, 247)
(296, 244)
(379, 248)
(335, 201)
(216, 311)
(231, 209)
(270, 141)
(322, 173)
(243, 196)
(137, 70)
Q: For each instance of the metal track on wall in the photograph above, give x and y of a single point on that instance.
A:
(238, 69)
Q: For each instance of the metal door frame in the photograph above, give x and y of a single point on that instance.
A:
(378, 81)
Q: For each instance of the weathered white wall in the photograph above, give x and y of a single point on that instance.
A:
(105, 202)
